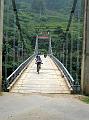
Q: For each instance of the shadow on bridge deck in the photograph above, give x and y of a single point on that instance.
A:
(48, 81)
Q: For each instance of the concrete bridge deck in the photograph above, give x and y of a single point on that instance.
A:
(49, 80)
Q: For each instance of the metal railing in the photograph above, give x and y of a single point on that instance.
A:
(16, 73)
(66, 73)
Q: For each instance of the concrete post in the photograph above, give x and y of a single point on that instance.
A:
(85, 60)
(36, 46)
(50, 47)
(1, 37)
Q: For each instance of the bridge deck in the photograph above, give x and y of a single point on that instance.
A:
(49, 79)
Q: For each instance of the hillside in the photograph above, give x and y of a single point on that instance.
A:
(57, 5)
(44, 12)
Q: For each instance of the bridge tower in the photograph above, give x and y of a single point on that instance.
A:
(1, 37)
(36, 45)
(50, 47)
(43, 37)
(85, 60)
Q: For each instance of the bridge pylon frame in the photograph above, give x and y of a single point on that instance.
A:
(37, 48)
(1, 38)
(50, 45)
(85, 55)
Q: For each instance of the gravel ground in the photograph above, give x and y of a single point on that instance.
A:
(42, 107)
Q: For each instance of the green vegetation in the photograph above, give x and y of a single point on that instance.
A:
(85, 99)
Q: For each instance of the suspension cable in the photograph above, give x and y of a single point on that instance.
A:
(14, 42)
(78, 44)
(17, 18)
(71, 15)
(71, 51)
(19, 28)
(67, 40)
(19, 42)
(63, 47)
(6, 43)
(67, 29)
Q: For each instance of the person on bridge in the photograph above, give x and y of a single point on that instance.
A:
(38, 62)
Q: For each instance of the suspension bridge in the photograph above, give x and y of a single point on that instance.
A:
(56, 75)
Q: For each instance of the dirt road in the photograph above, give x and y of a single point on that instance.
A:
(42, 107)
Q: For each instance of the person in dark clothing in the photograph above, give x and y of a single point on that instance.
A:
(38, 62)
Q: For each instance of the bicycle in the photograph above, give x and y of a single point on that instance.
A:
(38, 67)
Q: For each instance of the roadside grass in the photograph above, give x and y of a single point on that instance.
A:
(85, 99)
